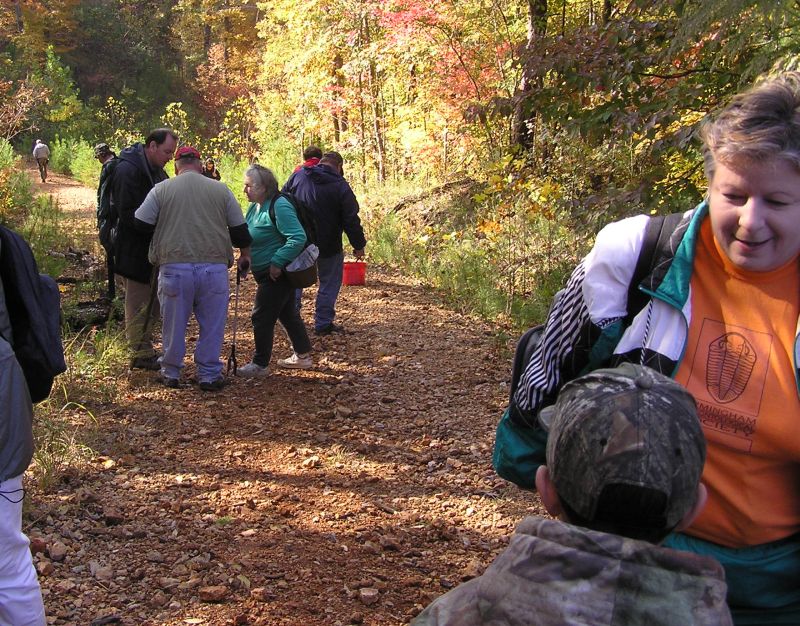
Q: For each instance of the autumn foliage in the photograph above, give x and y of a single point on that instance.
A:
(570, 111)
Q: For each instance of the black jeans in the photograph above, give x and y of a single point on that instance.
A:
(275, 302)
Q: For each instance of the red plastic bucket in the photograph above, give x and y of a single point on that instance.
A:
(354, 273)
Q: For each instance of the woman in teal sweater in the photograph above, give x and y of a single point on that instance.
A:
(275, 244)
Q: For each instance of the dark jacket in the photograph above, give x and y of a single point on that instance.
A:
(334, 205)
(133, 179)
(103, 191)
(16, 419)
(106, 213)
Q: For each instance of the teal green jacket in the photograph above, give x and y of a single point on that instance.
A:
(274, 244)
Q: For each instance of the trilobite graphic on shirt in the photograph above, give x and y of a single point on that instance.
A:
(731, 359)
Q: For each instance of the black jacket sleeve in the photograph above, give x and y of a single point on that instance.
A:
(350, 220)
(240, 236)
(143, 227)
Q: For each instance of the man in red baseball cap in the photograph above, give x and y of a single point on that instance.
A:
(193, 221)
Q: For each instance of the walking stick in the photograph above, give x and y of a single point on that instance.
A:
(232, 358)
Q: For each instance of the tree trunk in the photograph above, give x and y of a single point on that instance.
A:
(362, 141)
(377, 108)
(523, 117)
(339, 116)
(18, 16)
(607, 8)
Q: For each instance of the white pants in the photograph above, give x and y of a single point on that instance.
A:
(20, 596)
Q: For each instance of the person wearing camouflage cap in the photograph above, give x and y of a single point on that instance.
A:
(106, 213)
(624, 457)
(102, 152)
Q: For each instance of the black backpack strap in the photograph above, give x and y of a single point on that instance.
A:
(657, 233)
(300, 214)
(522, 355)
(272, 212)
(272, 202)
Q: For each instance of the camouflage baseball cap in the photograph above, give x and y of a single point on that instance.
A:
(101, 150)
(627, 426)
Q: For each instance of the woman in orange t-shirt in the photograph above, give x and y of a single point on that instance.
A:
(722, 319)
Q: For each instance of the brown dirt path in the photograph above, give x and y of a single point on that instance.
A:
(351, 494)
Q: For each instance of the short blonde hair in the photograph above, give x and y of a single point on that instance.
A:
(759, 124)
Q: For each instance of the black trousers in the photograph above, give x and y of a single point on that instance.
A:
(275, 302)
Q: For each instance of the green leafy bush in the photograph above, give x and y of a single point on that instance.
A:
(42, 230)
(500, 249)
(83, 165)
(65, 423)
(232, 171)
(16, 189)
(75, 157)
(61, 154)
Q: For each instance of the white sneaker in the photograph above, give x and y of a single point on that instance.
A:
(252, 370)
(297, 362)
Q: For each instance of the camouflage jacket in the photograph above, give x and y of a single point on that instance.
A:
(557, 574)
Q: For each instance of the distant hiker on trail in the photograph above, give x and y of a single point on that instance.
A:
(311, 157)
(329, 196)
(194, 221)
(42, 155)
(624, 457)
(140, 167)
(106, 211)
(275, 244)
(20, 595)
(210, 169)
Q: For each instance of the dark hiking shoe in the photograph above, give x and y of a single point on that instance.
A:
(212, 385)
(145, 363)
(329, 329)
(172, 383)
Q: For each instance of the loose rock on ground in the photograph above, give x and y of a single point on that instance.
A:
(354, 493)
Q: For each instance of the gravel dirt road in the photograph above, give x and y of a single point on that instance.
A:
(354, 493)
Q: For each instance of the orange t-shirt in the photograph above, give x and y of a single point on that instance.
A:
(738, 365)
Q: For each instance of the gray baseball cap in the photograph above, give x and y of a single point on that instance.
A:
(631, 426)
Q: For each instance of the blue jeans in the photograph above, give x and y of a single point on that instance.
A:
(275, 300)
(762, 580)
(330, 283)
(202, 288)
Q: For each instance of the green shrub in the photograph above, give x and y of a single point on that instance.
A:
(42, 230)
(7, 156)
(83, 165)
(276, 153)
(503, 265)
(61, 154)
(16, 189)
(66, 421)
(75, 157)
(385, 239)
(465, 273)
(232, 171)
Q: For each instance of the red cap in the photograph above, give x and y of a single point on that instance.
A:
(186, 152)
